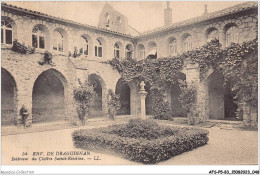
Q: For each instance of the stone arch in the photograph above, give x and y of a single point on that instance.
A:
(151, 50)
(129, 50)
(227, 27)
(100, 90)
(123, 89)
(211, 33)
(49, 97)
(141, 51)
(9, 109)
(13, 24)
(176, 107)
(103, 43)
(118, 50)
(171, 46)
(90, 43)
(47, 34)
(220, 97)
(65, 38)
(186, 39)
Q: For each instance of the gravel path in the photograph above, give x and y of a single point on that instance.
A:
(225, 147)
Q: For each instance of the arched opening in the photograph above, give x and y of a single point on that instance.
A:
(99, 47)
(152, 50)
(221, 102)
(212, 33)
(141, 51)
(40, 37)
(98, 84)
(186, 42)
(129, 51)
(48, 99)
(176, 107)
(83, 46)
(8, 98)
(232, 34)
(123, 89)
(6, 32)
(60, 40)
(118, 47)
(172, 46)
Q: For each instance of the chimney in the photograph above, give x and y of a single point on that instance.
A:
(205, 9)
(168, 15)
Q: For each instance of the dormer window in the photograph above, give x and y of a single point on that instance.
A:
(6, 32)
(38, 38)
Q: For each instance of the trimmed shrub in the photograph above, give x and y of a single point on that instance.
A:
(141, 141)
(21, 48)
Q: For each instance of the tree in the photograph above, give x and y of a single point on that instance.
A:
(113, 103)
(84, 96)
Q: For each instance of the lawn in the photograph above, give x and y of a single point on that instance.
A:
(142, 141)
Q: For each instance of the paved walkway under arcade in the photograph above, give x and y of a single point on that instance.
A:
(226, 146)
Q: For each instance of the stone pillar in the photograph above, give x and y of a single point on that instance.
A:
(222, 38)
(143, 94)
(246, 115)
(24, 98)
(192, 77)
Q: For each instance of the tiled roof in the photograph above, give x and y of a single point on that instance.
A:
(62, 19)
(205, 17)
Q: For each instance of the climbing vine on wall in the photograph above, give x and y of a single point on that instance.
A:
(237, 60)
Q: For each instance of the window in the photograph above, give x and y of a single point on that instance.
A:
(58, 42)
(232, 35)
(187, 44)
(128, 51)
(116, 51)
(98, 49)
(83, 46)
(141, 52)
(6, 32)
(173, 47)
(212, 35)
(107, 20)
(38, 38)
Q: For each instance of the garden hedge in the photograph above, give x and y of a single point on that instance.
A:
(145, 148)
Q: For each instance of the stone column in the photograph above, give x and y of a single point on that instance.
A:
(222, 38)
(143, 94)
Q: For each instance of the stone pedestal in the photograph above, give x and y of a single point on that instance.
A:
(143, 94)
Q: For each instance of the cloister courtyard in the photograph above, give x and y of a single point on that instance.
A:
(229, 144)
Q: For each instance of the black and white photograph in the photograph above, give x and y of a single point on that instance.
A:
(130, 83)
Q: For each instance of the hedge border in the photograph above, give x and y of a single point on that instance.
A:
(141, 150)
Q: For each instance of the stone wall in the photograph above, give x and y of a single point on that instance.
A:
(25, 70)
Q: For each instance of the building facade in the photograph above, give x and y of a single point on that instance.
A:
(47, 90)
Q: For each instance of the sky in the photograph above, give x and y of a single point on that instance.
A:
(142, 15)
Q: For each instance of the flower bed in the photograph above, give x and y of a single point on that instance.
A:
(141, 141)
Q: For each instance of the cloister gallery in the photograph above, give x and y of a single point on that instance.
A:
(47, 90)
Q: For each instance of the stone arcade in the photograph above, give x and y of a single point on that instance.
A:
(47, 91)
